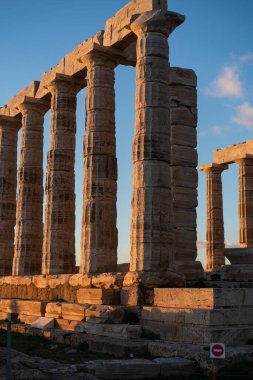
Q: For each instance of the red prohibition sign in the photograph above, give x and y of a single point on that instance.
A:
(217, 350)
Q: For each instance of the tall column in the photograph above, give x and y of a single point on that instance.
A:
(29, 215)
(214, 212)
(152, 224)
(59, 227)
(9, 127)
(184, 161)
(245, 166)
(99, 232)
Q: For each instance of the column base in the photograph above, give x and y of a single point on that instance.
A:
(155, 279)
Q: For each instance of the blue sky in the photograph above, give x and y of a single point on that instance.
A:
(215, 41)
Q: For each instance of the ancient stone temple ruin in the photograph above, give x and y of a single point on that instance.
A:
(165, 286)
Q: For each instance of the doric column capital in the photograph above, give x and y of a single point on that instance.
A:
(100, 56)
(10, 122)
(64, 82)
(30, 104)
(213, 168)
(245, 161)
(157, 21)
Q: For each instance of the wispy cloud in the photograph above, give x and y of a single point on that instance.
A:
(244, 115)
(246, 58)
(218, 130)
(232, 244)
(227, 84)
(201, 244)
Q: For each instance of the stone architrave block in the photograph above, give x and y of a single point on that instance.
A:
(117, 27)
(98, 296)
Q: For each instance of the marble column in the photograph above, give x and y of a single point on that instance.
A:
(245, 181)
(152, 223)
(59, 228)
(29, 215)
(9, 127)
(214, 211)
(99, 232)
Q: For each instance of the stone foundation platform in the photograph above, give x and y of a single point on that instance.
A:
(185, 315)
(201, 316)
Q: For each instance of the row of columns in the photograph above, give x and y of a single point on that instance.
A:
(151, 229)
(214, 208)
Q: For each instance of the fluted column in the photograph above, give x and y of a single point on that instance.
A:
(99, 232)
(29, 215)
(59, 228)
(245, 182)
(151, 227)
(9, 127)
(214, 212)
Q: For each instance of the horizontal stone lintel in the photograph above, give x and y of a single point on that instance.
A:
(232, 153)
(213, 165)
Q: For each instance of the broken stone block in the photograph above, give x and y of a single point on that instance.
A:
(82, 280)
(104, 314)
(43, 323)
(119, 331)
(107, 280)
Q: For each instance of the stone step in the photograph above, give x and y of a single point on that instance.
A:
(207, 317)
(143, 368)
(118, 348)
(199, 334)
(119, 331)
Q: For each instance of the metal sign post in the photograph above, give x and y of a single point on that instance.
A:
(8, 352)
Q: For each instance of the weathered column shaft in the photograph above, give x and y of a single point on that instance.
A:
(59, 228)
(184, 175)
(245, 177)
(151, 228)
(9, 127)
(99, 232)
(214, 221)
(29, 215)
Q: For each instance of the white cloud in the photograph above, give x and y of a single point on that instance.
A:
(244, 115)
(231, 244)
(218, 130)
(246, 58)
(201, 244)
(227, 84)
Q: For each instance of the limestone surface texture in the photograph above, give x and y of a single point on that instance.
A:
(151, 227)
(9, 127)
(245, 187)
(184, 176)
(99, 232)
(29, 215)
(59, 228)
(214, 210)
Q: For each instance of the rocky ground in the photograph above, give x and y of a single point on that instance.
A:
(35, 357)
